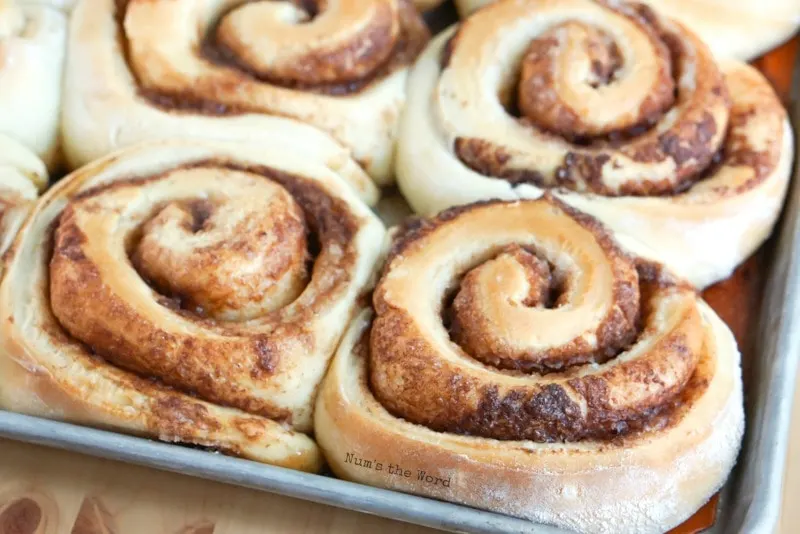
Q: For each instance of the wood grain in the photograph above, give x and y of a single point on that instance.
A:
(44, 491)
(790, 511)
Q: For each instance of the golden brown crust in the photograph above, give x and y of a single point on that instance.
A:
(389, 37)
(261, 259)
(591, 447)
(473, 326)
(538, 96)
(261, 267)
(246, 234)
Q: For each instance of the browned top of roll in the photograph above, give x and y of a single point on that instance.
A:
(547, 97)
(605, 97)
(527, 321)
(207, 277)
(350, 44)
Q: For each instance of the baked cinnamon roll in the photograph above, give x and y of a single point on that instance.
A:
(742, 29)
(329, 75)
(518, 359)
(22, 176)
(622, 113)
(63, 5)
(32, 50)
(187, 291)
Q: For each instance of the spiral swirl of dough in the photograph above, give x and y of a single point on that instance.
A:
(549, 301)
(224, 69)
(623, 113)
(518, 354)
(190, 291)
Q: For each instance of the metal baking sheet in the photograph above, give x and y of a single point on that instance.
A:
(750, 501)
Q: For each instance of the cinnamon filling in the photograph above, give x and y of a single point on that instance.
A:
(559, 336)
(483, 296)
(247, 255)
(393, 35)
(576, 86)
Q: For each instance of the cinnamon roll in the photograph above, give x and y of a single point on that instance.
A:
(22, 176)
(63, 5)
(742, 29)
(32, 50)
(329, 75)
(518, 358)
(187, 291)
(619, 111)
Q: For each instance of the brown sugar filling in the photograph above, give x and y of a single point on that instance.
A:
(373, 42)
(534, 100)
(121, 335)
(571, 398)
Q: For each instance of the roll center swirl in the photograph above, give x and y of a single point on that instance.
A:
(291, 51)
(576, 81)
(333, 47)
(591, 96)
(556, 334)
(514, 312)
(210, 277)
(229, 256)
